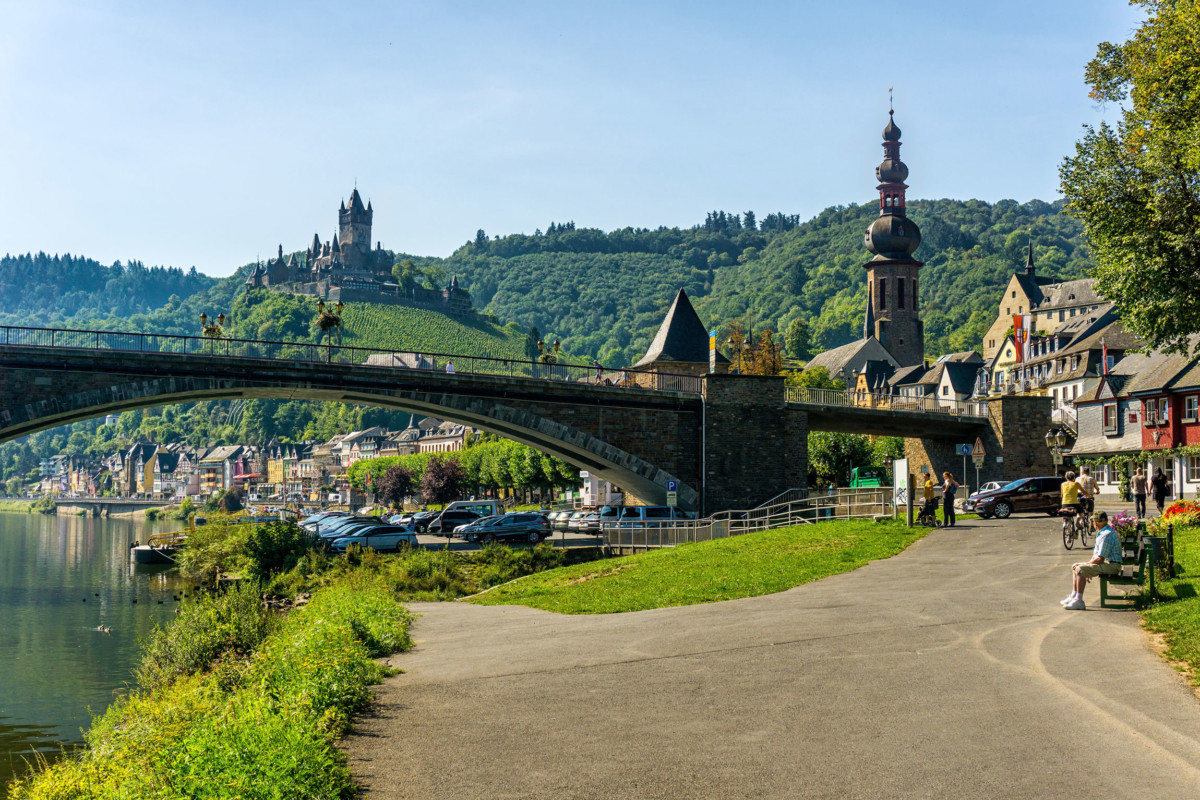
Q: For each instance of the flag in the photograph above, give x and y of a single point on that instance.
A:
(1020, 337)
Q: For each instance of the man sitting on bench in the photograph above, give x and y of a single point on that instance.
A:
(1106, 560)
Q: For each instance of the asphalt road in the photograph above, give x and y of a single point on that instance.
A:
(949, 671)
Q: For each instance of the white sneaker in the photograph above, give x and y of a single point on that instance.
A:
(1069, 598)
(1076, 605)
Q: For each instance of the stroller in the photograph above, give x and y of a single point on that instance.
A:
(928, 513)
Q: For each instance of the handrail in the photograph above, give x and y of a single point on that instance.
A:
(329, 353)
(887, 402)
(843, 504)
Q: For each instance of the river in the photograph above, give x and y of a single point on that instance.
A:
(60, 579)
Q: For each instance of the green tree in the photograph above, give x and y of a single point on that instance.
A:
(1136, 186)
(796, 339)
(814, 378)
(405, 273)
(831, 456)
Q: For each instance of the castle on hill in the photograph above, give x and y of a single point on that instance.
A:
(346, 269)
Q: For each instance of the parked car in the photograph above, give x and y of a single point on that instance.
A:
(642, 516)
(378, 537)
(560, 519)
(338, 525)
(990, 486)
(445, 522)
(527, 525)
(589, 523)
(484, 508)
(421, 520)
(573, 519)
(1023, 496)
(310, 523)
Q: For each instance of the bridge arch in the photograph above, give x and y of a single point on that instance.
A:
(637, 439)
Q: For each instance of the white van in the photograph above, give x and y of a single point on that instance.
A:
(484, 508)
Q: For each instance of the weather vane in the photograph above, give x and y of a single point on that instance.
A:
(889, 99)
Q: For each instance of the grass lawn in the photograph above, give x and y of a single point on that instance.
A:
(725, 569)
(1178, 619)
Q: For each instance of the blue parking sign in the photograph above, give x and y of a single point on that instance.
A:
(672, 485)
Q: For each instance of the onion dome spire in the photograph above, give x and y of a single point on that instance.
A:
(893, 235)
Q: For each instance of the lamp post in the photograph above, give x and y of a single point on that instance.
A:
(1056, 440)
(329, 319)
(211, 330)
(548, 356)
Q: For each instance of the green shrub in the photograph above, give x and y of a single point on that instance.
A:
(44, 505)
(274, 548)
(207, 628)
(213, 549)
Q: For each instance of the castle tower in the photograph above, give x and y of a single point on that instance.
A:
(354, 233)
(892, 273)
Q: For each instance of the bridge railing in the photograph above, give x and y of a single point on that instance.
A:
(930, 404)
(843, 504)
(332, 353)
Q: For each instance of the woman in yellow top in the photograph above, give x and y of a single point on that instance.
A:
(1070, 493)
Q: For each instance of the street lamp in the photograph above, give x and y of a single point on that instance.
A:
(1056, 440)
(548, 357)
(211, 330)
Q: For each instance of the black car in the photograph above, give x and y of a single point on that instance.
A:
(421, 520)
(529, 526)
(1022, 496)
(445, 522)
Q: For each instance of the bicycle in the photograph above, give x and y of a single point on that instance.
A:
(1075, 526)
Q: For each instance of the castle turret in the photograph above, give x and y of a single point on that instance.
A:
(892, 273)
(354, 230)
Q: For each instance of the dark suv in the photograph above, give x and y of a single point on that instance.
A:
(527, 525)
(1023, 496)
(445, 522)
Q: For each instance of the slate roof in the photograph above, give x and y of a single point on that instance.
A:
(682, 337)
(167, 462)
(1069, 294)
(962, 375)
(906, 375)
(1124, 374)
(877, 374)
(835, 360)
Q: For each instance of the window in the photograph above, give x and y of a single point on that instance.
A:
(1059, 365)
(1014, 293)
(1020, 309)
(1061, 315)
(1190, 406)
(945, 390)
(914, 294)
(1074, 363)
(1163, 410)
(1110, 418)
(1193, 469)
(1151, 411)
(882, 294)
(1169, 471)
(899, 292)
(1103, 475)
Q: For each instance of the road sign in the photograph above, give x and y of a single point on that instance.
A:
(978, 449)
(672, 485)
(672, 498)
(978, 459)
(962, 449)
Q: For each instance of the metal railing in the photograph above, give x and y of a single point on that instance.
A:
(201, 346)
(843, 504)
(887, 402)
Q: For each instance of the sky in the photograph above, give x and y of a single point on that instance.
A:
(206, 134)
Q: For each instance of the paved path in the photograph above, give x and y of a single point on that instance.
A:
(948, 671)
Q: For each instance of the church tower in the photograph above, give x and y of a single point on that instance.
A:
(354, 233)
(892, 273)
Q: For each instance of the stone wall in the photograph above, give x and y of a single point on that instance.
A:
(1015, 434)
(755, 447)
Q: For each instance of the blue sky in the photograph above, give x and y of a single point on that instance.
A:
(207, 133)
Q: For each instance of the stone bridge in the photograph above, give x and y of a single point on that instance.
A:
(104, 506)
(730, 441)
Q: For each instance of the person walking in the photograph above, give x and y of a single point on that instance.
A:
(1158, 488)
(1138, 485)
(450, 367)
(949, 487)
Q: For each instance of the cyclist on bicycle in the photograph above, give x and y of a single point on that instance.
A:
(1070, 493)
(1087, 491)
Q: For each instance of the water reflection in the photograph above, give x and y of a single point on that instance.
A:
(62, 581)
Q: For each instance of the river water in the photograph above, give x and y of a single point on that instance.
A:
(60, 579)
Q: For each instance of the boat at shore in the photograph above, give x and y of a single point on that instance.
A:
(160, 548)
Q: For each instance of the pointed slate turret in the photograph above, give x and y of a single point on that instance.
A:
(682, 339)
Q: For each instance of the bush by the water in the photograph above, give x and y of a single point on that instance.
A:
(255, 724)
(275, 547)
(44, 505)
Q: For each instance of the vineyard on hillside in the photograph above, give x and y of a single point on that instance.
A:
(403, 328)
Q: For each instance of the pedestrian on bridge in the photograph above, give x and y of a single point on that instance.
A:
(949, 487)
(450, 367)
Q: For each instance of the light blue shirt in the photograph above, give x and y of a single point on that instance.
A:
(1108, 545)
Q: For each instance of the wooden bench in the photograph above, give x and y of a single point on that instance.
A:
(1145, 566)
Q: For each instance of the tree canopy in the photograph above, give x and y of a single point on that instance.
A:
(1136, 186)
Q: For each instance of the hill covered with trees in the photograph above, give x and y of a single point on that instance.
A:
(604, 294)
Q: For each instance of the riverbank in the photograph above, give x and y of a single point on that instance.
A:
(240, 701)
(15, 506)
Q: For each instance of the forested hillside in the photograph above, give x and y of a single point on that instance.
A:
(605, 294)
(51, 290)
